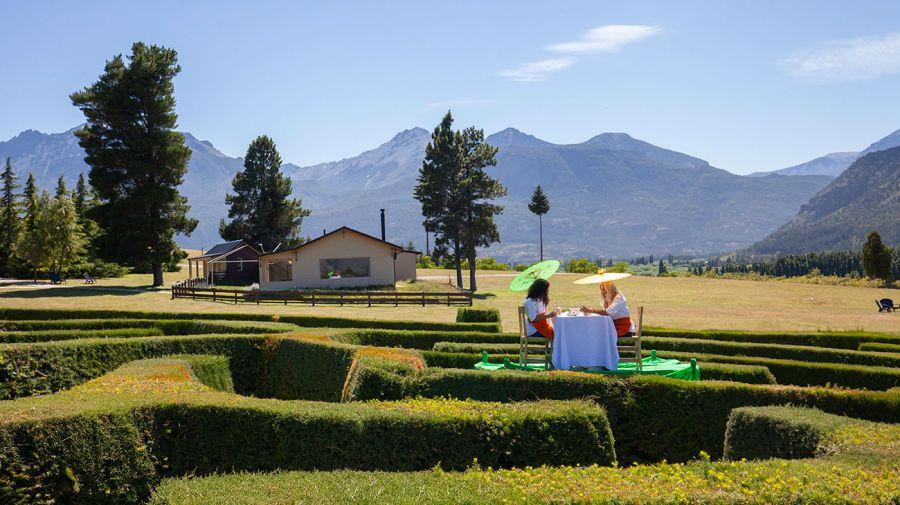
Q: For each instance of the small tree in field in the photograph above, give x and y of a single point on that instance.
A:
(661, 267)
(32, 242)
(876, 258)
(895, 263)
(539, 205)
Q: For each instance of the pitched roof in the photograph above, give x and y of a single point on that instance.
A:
(342, 228)
(223, 248)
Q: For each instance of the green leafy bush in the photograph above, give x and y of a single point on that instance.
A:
(840, 340)
(212, 371)
(477, 315)
(299, 320)
(806, 373)
(581, 266)
(776, 351)
(489, 263)
(424, 340)
(794, 433)
(49, 335)
(879, 347)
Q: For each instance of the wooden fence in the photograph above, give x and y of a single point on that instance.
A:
(321, 297)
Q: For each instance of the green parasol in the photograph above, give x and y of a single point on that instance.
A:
(542, 270)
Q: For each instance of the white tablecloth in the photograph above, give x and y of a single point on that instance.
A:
(585, 341)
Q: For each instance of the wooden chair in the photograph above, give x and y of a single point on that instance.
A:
(632, 353)
(533, 350)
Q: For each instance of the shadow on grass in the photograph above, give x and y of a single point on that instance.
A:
(483, 296)
(67, 292)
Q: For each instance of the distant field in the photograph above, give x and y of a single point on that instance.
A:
(696, 303)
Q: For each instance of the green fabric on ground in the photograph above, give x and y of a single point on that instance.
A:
(651, 365)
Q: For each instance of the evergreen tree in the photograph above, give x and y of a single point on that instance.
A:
(473, 197)
(437, 179)
(31, 244)
(9, 216)
(261, 209)
(661, 267)
(29, 195)
(140, 209)
(61, 189)
(876, 258)
(539, 205)
(64, 239)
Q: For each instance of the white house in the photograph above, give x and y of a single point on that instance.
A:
(339, 259)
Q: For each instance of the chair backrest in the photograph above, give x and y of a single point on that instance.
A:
(532, 350)
(522, 321)
(887, 302)
(632, 353)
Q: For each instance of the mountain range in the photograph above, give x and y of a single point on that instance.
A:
(611, 195)
(863, 198)
(833, 164)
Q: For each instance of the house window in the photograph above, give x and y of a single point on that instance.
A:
(340, 268)
(281, 271)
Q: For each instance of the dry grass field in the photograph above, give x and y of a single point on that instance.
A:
(670, 302)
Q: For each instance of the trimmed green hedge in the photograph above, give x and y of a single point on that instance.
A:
(210, 370)
(50, 335)
(806, 373)
(837, 339)
(653, 418)
(300, 320)
(477, 315)
(111, 444)
(794, 433)
(423, 340)
(275, 367)
(879, 347)
(750, 374)
(775, 351)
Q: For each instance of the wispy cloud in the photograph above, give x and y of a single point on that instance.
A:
(848, 59)
(456, 102)
(537, 70)
(603, 39)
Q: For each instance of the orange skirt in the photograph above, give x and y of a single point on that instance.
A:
(544, 327)
(623, 326)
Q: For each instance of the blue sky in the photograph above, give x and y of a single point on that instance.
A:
(745, 85)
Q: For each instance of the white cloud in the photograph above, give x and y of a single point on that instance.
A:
(537, 70)
(849, 59)
(604, 39)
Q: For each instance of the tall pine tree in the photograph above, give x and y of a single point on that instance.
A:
(31, 242)
(61, 189)
(472, 198)
(437, 179)
(261, 209)
(539, 205)
(137, 158)
(9, 216)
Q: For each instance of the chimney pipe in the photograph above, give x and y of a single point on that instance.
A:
(383, 237)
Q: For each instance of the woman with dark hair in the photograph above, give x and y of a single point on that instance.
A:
(537, 320)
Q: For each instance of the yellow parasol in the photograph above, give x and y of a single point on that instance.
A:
(602, 276)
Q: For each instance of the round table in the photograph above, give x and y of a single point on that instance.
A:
(584, 341)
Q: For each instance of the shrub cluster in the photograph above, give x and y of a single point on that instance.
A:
(879, 347)
(424, 340)
(477, 315)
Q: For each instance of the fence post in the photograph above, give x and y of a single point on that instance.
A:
(313, 298)
(235, 297)
(423, 299)
(369, 298)
(396, 299)
(470, 299)
(214, 294)
(448, 298)
(341, 293)
(285, 297)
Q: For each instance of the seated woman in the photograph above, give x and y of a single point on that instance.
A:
(615, 307)
(537, 320)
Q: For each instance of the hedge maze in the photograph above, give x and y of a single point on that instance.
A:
(172, 408)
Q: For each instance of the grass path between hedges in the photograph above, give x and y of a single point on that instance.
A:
(693, 303)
